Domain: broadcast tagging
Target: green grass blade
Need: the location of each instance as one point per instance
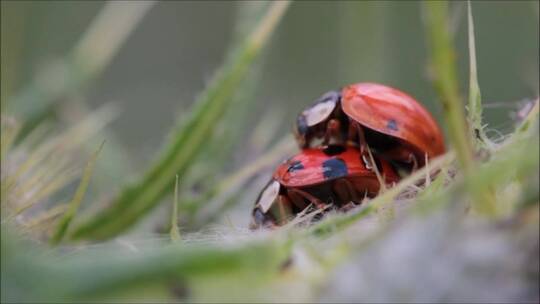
(475, 98)
(234, 126)
(97, 273)
(185, 142)
(445, 78)
(77, 199)
(175, 233)
(446, 83)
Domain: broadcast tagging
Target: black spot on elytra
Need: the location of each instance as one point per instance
(392, 125)
(295, 166)
(333, 150)
(334, 168)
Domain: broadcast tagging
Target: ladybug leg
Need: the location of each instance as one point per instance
(356, 129)
(351, 131)
(297, 196)
(347, 207)
(367, 156)
(297, 200)
(261, 220)
(332, 131)
(412, 159)
(345, 191)
(284, 209)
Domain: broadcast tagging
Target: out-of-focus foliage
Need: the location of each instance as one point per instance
(420, 241)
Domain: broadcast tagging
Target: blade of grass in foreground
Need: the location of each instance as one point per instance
(445, 79)
(93, 274)
(185, 142)
(446, 83)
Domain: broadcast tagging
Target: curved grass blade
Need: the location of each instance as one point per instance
(185, 141)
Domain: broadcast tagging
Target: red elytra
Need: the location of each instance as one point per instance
(387, 120)
(315, 166)
(319, 177)
(392, 112)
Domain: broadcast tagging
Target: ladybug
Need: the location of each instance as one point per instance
(318, 177)
(390, 122)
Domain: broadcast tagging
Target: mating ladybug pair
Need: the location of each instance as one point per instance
(336, 134)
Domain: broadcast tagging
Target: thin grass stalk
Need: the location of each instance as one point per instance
(63, 142)
(175, 233)
(77, 199)
(475, 97)
(46, 216)
(46, 190)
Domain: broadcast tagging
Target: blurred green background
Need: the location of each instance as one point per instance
(319, 46)
(176, 47)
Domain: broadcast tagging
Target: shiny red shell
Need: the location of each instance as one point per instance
(392, 112)
(315, 166)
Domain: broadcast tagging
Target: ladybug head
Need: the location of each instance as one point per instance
(314, 120)
(262, 213)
